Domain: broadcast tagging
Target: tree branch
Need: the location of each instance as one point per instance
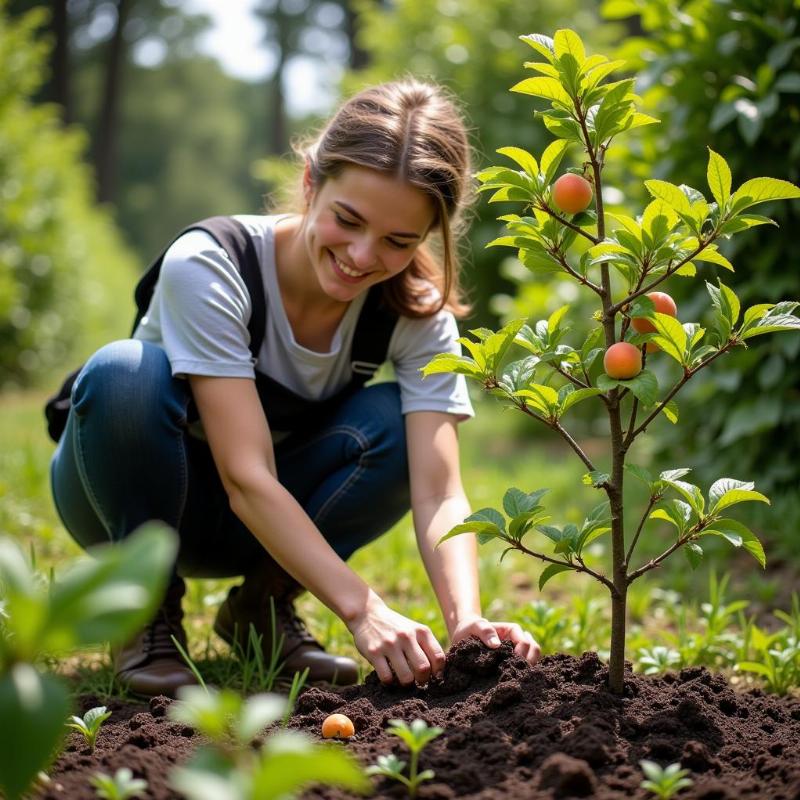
(688, 373)
(655, 562)
(542, 206)
(580, 567)
(653, 501)
(578, 277)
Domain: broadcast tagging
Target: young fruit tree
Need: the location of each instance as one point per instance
(622, 260)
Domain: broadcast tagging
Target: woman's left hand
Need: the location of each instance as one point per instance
(492, 633)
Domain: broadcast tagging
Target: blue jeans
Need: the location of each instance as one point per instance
(126, 457)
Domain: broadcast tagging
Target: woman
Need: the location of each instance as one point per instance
(173, 423)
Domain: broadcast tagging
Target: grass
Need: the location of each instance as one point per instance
(499, 449)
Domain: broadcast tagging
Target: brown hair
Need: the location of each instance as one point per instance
(415, 132)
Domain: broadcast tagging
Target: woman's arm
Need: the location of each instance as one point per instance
(438, 503)
(240, 441)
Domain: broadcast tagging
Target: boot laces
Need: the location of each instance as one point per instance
(287, 618)
(159, 633)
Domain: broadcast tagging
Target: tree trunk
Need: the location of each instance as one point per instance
(108, 126)
(59, 59)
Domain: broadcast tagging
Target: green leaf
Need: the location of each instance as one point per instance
(596, 478)
(551, 158)
(521, 157)
(670, 194)
(725, 301)
(760, 190)
(643, 386)
(542, 398)
(670, 411)
(719, 177)
(639, 472)
(676, 512)
(550, 571)
(567, 41)
(713, 256)
(448, 362)
(111, 595)
(670, 336)
(694, 554)
(755, 666)
(573, 398)
(542, 44)
(32, 712)
(733, 496)
(779, 317)
(690, 492)
(516, 502)
(738, 535)
(548, 88)
(291, 760)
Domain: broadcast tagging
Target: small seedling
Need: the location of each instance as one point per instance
(664, 782)
(90, 725)
(416, 737)
(121, 787)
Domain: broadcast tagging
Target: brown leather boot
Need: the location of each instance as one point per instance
(150, 664)
(249, 604)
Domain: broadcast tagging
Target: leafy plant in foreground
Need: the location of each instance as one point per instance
(677, 230)
(416, 736)
(102, 598)
(232, 768)
(664, 782)
(120, 787)
(90, 724)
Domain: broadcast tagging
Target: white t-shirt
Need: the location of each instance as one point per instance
(200, 310)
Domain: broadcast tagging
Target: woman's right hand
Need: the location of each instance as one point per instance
(396, 645)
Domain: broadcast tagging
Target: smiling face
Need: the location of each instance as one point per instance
(363, 227)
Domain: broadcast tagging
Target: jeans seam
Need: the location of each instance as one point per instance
(87, 484)
(356, 474)
(362, 440)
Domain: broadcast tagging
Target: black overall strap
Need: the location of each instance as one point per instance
(374, 329)
(233, 237)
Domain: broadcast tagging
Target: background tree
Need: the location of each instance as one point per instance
(63, 266)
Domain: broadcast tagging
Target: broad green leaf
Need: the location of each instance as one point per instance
(734, 532)
(778, 318)
(550, 571)
(551, 158)
(555, 318)
(644, 386)
(107, 597)
(639, 472)
(760, 190)
(691, 493)
(670, 411)
(33, 708)
(694, 554)
(447, 362)
(755, 666)
(674, 474)
(733, 496)
(675, 512)
(541, 397)
(542, 44)
(670, 194)
(521, 523)
(521, 157)
(515, 501)
(670, 336)
(548, 88)
(484, 531)
(290, 761)
(567, 41)
(545, 69)
(576, 397)
(713, 256)
(719, 177)
(725, 301)
(721, 486)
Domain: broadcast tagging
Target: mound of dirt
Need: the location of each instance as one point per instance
(511, 731)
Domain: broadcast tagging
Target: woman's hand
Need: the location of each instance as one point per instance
(491, 634)
(395, 644)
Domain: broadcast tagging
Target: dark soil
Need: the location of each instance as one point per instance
(511, 731)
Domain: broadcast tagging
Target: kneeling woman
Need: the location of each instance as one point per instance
(274, 461)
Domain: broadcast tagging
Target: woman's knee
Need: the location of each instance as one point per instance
(130, 380)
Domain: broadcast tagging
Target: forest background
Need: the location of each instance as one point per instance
(116, 132)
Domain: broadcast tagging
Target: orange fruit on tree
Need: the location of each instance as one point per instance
(572, 193)
(338, 726)
(664, 305)
(622, 360)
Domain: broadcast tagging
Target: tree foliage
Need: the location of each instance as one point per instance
(729, 74)
(63, 266)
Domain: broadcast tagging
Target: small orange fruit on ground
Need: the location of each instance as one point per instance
(622, 360)
(338, 726)
(664, 305)
(572, 193)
